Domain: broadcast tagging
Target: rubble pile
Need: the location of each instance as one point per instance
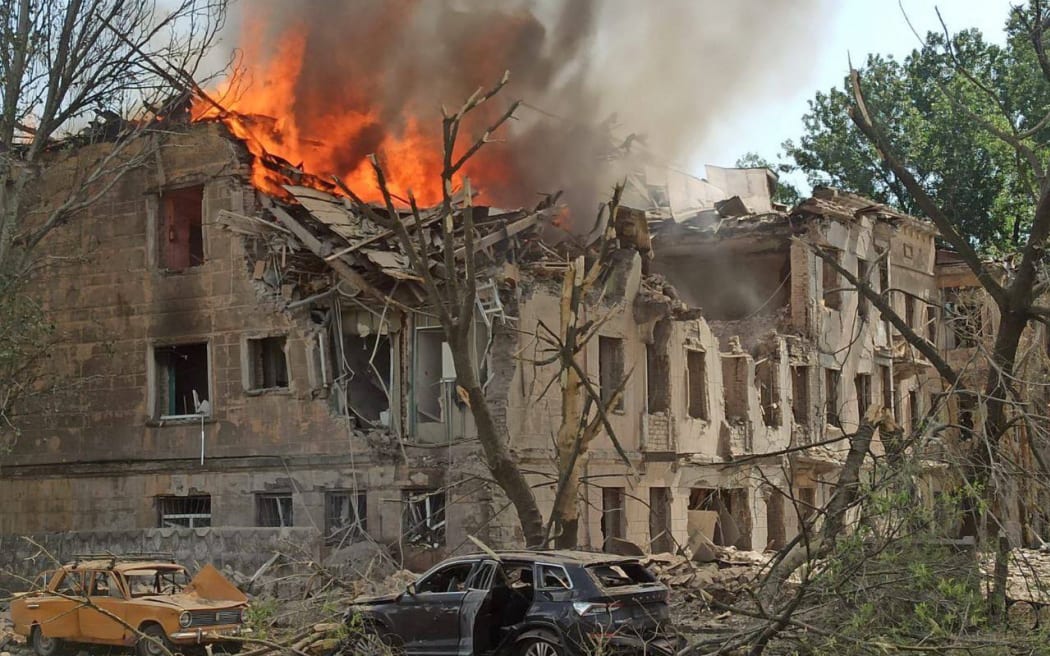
(722, 579)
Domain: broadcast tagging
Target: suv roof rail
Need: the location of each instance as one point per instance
(124, 557)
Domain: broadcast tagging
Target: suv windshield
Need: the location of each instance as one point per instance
(621, 575)
(144, 582)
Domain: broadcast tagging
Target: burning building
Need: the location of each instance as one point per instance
(248, 354)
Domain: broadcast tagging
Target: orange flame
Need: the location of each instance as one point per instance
(261, 105)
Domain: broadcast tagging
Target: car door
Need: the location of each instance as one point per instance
(55, 611)
(101, 619)
(427, 615)
(478, 628)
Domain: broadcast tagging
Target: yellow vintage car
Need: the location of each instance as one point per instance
(143, 600)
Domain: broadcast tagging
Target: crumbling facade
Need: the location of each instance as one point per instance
(235, 359)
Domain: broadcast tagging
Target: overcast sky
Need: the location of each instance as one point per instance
(854, 28)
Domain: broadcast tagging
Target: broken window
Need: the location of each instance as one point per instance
(369, 369)
(660, 538)
(433, 361)
(931, 323)
(658, 369)
(273, 509)
(181, 235)
(807, 502)
(610, 369)
(187, 512)
(886, 381)
(423, 517)
(909, 311)
(800, 394)
(862, 386)
(734, 387)
(614, 515)
(830, 278)
(267, 365)
(831, 396)
(863, 304)
(768, 391)
(913, 409)
(182, 379)
(962, 315)
(728, 519)
(696, 379)
(345, 517)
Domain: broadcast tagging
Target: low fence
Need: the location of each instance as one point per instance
(242, 549)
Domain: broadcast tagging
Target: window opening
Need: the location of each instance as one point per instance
(187, 512)
(368, 383)
(423, 520)
(660, 538)
(768, 391)
(696, 364)
(274, 510)
(862, 385)
(830, 277)
(831, 394)
(345, 517)
(886, 382)
(610, 369)
(800, 394)
(433, 361)
(729, 516)
(268, 365)
(181, 235)
(182, 380)
(614, 517)
(863, 304)
(658, 369)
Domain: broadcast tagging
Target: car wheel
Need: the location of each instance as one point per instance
(154, 642)
(45, 646)
(540, 646)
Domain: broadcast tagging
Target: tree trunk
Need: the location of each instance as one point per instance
(494, 445)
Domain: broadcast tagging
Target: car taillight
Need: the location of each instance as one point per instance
(584, 608)
(184, 619)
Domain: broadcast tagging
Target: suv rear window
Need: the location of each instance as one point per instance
(621, 575)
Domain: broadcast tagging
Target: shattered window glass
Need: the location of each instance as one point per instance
(274, 509)
(345, 517)
(424, 517)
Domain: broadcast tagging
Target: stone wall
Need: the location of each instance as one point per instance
(242, 549)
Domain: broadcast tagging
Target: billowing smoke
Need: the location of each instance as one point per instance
(599, 77)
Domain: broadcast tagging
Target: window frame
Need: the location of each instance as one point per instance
(161, 514)
(260, 497)
(254, 347)
(158, 373)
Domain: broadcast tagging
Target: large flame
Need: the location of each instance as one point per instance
(267, 105)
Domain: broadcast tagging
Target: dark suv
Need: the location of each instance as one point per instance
(530, 603)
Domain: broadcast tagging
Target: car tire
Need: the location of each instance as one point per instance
(44, 646)
(540, 646)
(154, 642)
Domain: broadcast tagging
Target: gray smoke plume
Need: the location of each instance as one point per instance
(599, 77)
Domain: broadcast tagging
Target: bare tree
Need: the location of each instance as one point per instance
(75, 72)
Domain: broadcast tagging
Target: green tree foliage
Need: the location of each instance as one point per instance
(937, 107)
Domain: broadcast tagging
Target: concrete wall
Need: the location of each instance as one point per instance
(242, 549)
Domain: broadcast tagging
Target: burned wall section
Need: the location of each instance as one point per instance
(189, 371)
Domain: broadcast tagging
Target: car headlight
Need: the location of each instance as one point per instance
(184, 619)
(244, 615)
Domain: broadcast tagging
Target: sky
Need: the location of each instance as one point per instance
(851, 28)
